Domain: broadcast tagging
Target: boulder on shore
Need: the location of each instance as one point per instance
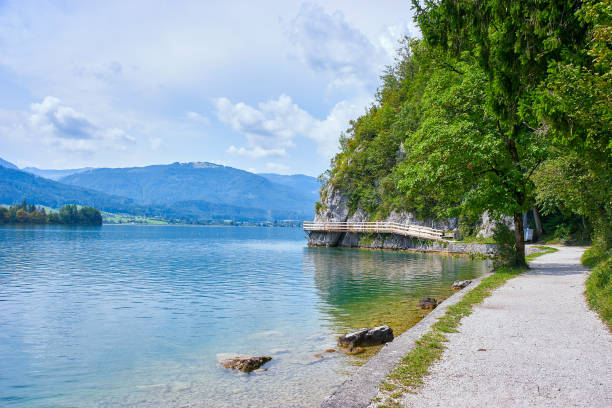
(427, 303)
(461, 284)
(245, 364)
(366, 337)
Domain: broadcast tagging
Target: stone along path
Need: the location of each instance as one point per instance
(533, 343)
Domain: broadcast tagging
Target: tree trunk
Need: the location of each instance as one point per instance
(519, 234)
(538, 222)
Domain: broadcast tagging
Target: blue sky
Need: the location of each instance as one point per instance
(266, 86)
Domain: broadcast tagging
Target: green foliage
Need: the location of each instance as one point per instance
(506, 242)
(599, 282)
(371, 148)
(68, 215)
(569, 184)
(502, 105)
(574, 105)
(16, 185)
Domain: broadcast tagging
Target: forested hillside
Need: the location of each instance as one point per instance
(498, 111)
(8, 165)
(16, 186)
(169, 184)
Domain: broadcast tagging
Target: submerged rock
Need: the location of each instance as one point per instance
(428, 303)
(330, 350)
(367, 337)
(245, 364)
(461, 284)
(353, 350)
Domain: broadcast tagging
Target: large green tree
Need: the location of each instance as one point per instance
(513, 42)
(575, 106)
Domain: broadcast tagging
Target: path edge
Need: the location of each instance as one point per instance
(360, 388)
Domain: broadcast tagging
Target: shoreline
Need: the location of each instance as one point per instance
(360, 388)
(413, 251)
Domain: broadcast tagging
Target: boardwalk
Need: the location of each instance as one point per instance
(409, 230)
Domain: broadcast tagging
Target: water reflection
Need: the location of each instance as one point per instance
(137, 316)
(360, 288)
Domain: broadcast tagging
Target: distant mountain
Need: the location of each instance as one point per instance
(6, 164)
(170, 184)
(17, 185)
(54, 174)
(306, 185)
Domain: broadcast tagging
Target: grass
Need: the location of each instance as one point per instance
(543, 251)
(599, 283)
(477, 240)
(408, 375)
(112, 218)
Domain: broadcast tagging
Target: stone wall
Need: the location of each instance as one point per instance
(396, 242)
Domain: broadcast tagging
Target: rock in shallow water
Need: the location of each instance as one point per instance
(427, 303)
(461, 284)
(353, 350)
(367, 337)
(245, 364)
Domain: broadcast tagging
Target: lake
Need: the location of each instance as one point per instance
(141, 315)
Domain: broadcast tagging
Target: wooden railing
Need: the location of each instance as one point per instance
(410, 230)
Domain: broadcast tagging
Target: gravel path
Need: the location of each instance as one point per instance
(533, 343)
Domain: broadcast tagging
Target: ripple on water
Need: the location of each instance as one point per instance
(137, 315)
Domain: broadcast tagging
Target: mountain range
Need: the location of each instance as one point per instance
(191, 192)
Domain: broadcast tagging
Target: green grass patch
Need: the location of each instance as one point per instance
(543, 251)
(599, 283)
(477, 240)
(408, 375)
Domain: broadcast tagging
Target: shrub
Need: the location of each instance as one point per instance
(504, 237)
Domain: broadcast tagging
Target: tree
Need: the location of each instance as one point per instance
(21, 216)
(574, 105)
(4, 216)
(513, 42)
(69, 214)
(458, 156)
(90, 216)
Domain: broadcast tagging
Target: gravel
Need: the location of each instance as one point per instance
(533, 343)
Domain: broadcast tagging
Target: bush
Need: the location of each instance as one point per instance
(504, 237)
(599, 282)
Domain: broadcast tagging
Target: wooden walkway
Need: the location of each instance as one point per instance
(408, 230)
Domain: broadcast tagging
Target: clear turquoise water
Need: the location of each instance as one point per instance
(141, 315)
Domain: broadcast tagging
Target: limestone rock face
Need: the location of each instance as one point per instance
(335, 209)
(366, 337)
(428, 303)
(461, 284)
(488, 224)
(245, 364)
(335, 206)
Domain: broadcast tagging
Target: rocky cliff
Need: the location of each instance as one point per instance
(335, 208)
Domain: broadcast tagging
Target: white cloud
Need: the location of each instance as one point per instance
(271, 127)
(256, 152)
(155, 142)
(277, 167)
(390, 38)
(326, 42)
(70, 130)
(196, 117)
(153, 72)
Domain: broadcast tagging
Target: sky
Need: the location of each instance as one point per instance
(264, 86)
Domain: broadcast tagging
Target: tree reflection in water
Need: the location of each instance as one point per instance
(364, 288)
